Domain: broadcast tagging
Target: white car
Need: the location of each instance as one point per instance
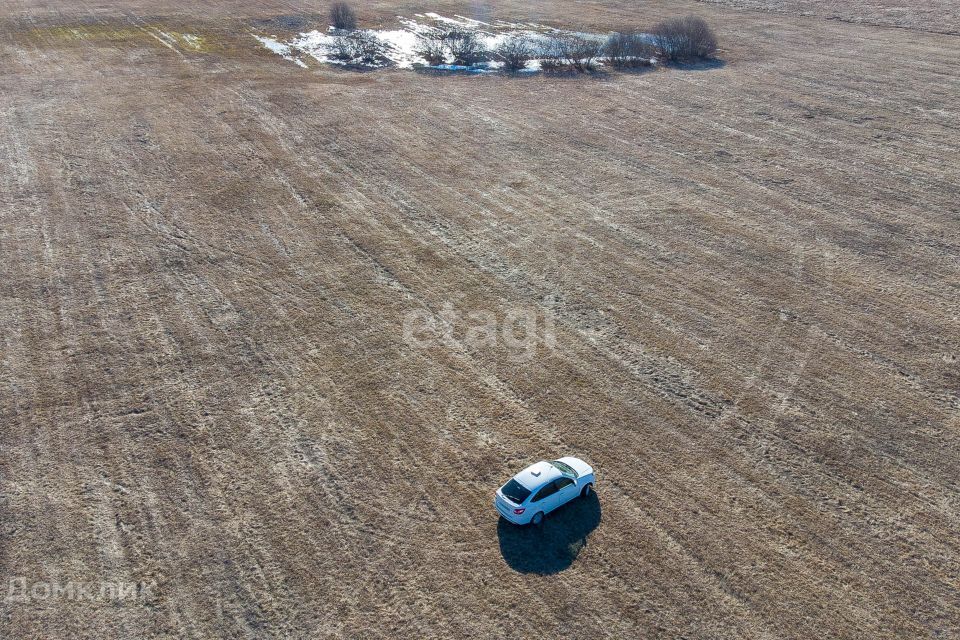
(543, 487)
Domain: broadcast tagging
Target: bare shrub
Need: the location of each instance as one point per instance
(616, 48)
(584, 52)
(431, 45)
(340, 48)
(684, 39)
(342, 16)
(575, 52)
(465, 46)
(358, 47)
(551, 65)
(551, 53)
(628, 50)
(515, 52)
(462, 46)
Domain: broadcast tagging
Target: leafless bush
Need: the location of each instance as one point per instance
(584, 52)
(431, 45)
(572, 51)
(551, 56)
(342, 16)
(628, 50)
(551, 65)
(515, 52)
(682, 39)
(465, 46)
(358, 47)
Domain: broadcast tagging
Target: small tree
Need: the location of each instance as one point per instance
(432, 47)
(342, 17)
(464, 46)
(628, 50)
(515, 52)
(683, 39)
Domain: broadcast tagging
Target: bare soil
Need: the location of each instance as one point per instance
(207, 254)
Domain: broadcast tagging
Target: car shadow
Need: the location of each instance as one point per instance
(555, 544)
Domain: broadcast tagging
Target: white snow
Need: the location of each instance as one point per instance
(472, 22)
(439, 18)
(274, 45)
(401, 47)
(281, 49)
(163, 38)
(193, 41)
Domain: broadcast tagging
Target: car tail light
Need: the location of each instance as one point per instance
(517, 512)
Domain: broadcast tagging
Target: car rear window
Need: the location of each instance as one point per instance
(515, 491)
(564, 468)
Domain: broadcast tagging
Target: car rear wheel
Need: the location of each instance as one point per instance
(537, 518)
(586, 491)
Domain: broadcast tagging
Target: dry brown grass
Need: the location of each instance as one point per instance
(940, 16)
(206, 256)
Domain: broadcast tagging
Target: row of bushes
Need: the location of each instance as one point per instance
(677, 40)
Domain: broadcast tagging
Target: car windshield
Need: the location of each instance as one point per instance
(515, 491)
(564, 468)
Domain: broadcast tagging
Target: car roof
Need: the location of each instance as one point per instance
(536, 475)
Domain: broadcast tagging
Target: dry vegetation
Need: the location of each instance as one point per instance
(206, 256)
(938, 16)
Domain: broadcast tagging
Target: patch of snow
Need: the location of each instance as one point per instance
(163, 38)
(191, 40)
(521, 26)
(274, 45)
(472, 21)
(315, 44)
(439, 18)
(281, 49)
(401, 44)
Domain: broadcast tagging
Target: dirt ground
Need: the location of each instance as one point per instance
(745, 278)
(941, 16)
